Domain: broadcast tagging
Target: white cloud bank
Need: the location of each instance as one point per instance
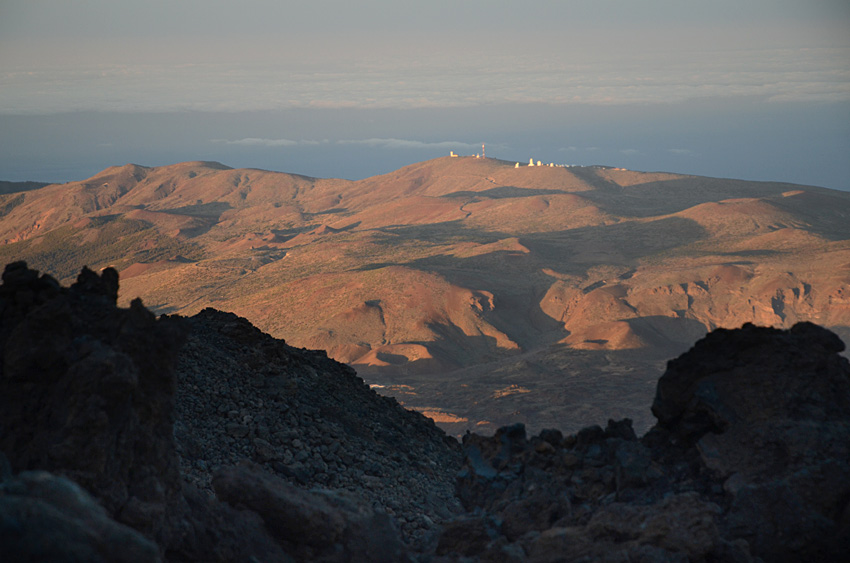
(390, 143)
(809, 75)
(255, 142)
(260, 142)
(408, 144)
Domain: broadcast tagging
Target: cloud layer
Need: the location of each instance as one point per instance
(810, 75)
(408, 144)
(380, 143)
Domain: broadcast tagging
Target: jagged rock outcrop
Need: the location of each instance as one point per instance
(749, 461)
(768, 411)
(87, 391)
(96, 394)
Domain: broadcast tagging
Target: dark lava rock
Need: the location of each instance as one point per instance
(753, 375)
(96, 394)
(315, 525)
(87, 392)
(44, 517)
(245, 396)
(750, 460)
(768, 411)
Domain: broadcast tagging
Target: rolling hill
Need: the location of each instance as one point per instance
(469, 289)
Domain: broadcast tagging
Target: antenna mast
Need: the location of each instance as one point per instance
(482, 151)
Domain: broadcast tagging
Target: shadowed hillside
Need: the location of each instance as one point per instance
(471, 290)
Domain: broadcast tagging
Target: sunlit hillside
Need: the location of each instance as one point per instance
(469, 288)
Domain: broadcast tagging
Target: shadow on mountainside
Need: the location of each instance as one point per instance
(520, 284)
(558, 250)
(212, 210)
(441, 233)
(517, 313)
(19, 187)
(671, 196)
(823, 211)
(547, 387)
(503, 192)
(626, 242)
(542, 386)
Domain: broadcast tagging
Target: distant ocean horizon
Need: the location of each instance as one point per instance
(743, 138)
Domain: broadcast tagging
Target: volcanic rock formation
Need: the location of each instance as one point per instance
(748, 461)
(126, 437)
(96, 394)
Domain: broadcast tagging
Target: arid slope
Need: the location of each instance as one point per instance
(472, 290)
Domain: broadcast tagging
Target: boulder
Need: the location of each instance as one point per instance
(45, 517)
(767, 413)
(314, 525)
(752, 375)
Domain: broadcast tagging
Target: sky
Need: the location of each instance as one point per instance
(750, 89)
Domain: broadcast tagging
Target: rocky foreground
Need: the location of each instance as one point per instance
(127, 437)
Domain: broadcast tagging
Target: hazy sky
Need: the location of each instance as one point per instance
(756, 89)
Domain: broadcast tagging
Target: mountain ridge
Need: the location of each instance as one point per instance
(421, 276)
